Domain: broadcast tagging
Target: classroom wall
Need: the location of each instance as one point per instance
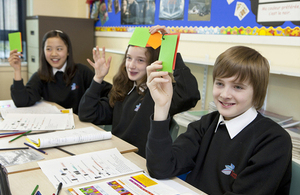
(283, 92)
(61, 8)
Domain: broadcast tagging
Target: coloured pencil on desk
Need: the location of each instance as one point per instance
(20, 136)
(9, 133)
(19, 148)
(12, 134)
(42, 151)
(65, 151)
(35, 189)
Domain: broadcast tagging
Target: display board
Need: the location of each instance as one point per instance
(238, 17)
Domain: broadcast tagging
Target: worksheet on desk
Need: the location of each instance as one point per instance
(41, 116)
(26, 122)
(87, 167)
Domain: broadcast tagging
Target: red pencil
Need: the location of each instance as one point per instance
(11, 134)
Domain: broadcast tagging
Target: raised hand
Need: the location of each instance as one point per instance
(100, 64)
(158, 28)
(161, 89)
(15, 62)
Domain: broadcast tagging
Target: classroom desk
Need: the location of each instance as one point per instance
(114, 142)
(53, 153)
(25, 182)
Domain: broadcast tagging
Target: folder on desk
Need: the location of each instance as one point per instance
(67, 137)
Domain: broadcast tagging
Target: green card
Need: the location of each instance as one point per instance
(139, 37)
(167, 52)
(15, 41)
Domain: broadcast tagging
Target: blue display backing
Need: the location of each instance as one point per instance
(222, 14)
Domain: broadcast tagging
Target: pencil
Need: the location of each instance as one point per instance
(65, 151)
(21, 148)
(35, 189)
(12, 134)
(36, 148)
(20, 136)
(8, 133)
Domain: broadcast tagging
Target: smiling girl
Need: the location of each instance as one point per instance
(129, 105)
(58, 78)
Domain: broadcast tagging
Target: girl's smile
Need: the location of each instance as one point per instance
(136, 63)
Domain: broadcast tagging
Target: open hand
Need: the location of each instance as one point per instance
(100, 64)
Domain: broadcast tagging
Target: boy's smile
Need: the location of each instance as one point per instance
(232, 98)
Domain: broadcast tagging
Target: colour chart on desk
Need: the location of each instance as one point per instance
(138, 184)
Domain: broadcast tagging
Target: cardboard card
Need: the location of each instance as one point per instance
(15, 41)
(175, 54)
(139, 37)
(168, 52)
(155, 40)
(242, 11)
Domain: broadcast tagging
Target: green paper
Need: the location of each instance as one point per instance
(15, 41)
(167, 52)
(139, 37)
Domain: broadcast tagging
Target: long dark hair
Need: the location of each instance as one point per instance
(122, 84)
(45, 69)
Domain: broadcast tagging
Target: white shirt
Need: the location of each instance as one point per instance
(62, 69)
(237, 124)
(142, 88)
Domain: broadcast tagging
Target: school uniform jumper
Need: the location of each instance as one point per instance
(58, 92)
(256, 161)
(130, 118)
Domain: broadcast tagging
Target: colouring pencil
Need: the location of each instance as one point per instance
(36, 149)
(20, 148)
(12, 134)
(35, 189)
(65, 151)
(20, 136)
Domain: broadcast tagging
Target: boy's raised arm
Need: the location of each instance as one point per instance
(161, 89)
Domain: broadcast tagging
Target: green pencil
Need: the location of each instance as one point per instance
(35, 189)
(20, 136)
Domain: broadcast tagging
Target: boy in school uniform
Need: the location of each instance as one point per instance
(234, 150)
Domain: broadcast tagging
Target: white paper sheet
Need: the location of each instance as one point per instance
(26, 122)
(87, 167)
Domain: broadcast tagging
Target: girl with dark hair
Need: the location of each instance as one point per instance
(59, 79)
(129, 104)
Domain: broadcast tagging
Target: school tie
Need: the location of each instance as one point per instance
(59, 76)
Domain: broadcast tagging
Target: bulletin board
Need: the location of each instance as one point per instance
(230, 17)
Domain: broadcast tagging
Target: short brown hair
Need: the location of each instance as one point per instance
(247, 65)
